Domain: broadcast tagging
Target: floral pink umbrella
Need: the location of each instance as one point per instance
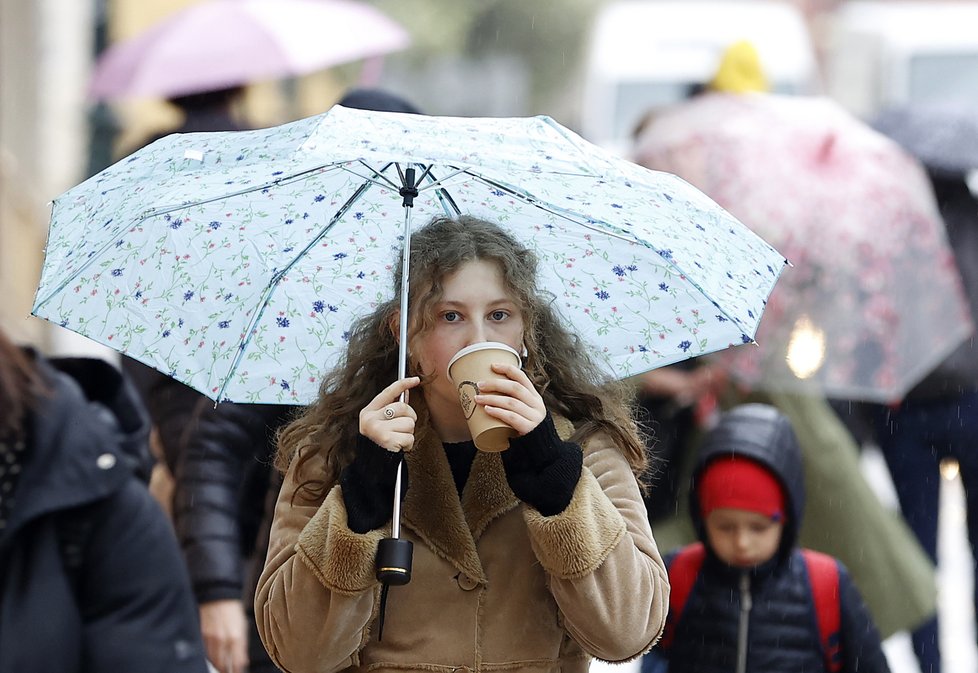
(874, 300)
(224, 43)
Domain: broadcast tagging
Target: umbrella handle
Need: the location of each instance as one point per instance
(394, 557)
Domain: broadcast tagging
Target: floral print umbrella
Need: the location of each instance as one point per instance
(874, 301)
(236, 262)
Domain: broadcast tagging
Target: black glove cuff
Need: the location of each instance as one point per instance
(543, 470)
(368, 486)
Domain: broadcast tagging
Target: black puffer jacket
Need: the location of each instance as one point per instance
(782, 630)
(126, 605)
(224, 475)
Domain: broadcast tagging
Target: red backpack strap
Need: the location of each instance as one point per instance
(683, 571)
(823, 574)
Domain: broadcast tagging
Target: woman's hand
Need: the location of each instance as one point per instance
(513, 400)
(388, 422)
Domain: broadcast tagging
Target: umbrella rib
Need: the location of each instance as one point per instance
(163, 210)
(277, 276)
(442, 193)
(377, 174)
(607, 230)
(439, 182)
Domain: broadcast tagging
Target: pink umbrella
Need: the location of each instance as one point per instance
(874, 300)
(224, 43)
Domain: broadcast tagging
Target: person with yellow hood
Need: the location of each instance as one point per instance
(740, 70)
(845, 518)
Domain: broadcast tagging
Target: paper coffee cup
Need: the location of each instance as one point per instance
(466, 368)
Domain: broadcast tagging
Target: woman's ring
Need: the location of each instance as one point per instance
(389, 413)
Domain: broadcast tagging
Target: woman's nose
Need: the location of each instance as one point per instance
(477, 334)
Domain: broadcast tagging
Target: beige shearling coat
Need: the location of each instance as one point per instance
(495, 585)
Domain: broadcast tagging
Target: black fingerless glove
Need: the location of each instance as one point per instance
(368, 486)
(543, 470)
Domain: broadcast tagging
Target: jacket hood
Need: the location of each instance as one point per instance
(88, 435)
(105, 386)
(762, 433)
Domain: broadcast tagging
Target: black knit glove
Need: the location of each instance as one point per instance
(542, 470)
(368, 486)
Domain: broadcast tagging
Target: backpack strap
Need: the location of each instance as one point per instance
(683, 571)
(823, 575)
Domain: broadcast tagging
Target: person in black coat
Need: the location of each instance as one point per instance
(222, 507)
(91, 578)
(937, 419)
(751, 606)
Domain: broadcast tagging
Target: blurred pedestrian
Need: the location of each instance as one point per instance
(91, 578)
(225, 487)
(536, 558)
(938, 418)
(746, 597)
(845, 518)
(677, 403)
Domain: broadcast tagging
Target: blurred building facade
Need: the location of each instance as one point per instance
(45, 48)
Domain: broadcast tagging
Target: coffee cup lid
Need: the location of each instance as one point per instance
(482, 345)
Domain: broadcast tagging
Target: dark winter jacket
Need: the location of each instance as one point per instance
(959, 209)
(224, 475)
(782, 629)
(90, 572)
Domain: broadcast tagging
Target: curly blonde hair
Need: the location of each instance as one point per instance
(557, 361)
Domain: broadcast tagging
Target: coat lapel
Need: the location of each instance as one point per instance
(433, 511)
(486, 494)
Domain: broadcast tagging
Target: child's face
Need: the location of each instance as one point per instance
(743, 539)
(474, 307)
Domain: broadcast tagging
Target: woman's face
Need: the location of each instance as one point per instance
(474, 307)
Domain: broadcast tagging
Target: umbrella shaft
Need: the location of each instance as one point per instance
(402, 351)
(396, 517)
(405, 281)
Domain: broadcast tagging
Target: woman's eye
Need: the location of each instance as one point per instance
(499, 315)
(450, 316)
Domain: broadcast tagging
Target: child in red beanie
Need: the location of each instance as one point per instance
(746, 597)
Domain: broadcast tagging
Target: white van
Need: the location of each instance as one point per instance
(885, 53)
(647, 53)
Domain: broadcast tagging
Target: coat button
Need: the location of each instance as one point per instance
(466, 583)
(106, 461)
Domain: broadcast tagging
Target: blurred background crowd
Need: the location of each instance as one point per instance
(667, 84)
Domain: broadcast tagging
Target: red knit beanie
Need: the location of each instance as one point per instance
(740, 483)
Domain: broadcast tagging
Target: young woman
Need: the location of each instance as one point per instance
(537, 558)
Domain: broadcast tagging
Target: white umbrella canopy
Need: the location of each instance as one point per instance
(236, 262)
(220, 44)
